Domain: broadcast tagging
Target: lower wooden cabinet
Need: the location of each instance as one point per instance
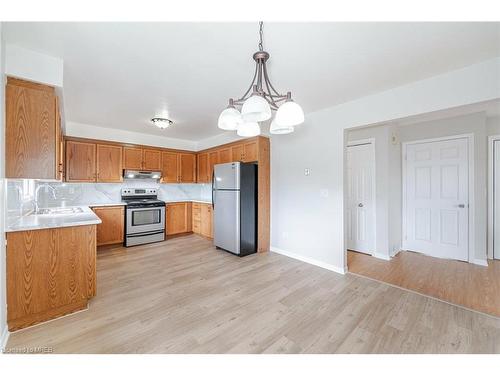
(178, 218)
(202, 219)
(111, 230)
(50, 273)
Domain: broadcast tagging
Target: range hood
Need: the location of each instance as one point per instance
(133, 174)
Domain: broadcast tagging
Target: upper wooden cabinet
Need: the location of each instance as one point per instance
(80, 161)
(187, 168)
(250, 152)
(151, 159)
(225, 155)
(32, 131)
(132, 158)
(109, 163)
(202, 168)
(169, 167)
(178, 167)
(91, 162)
(237, 152)
(213, 158)
(141, 158)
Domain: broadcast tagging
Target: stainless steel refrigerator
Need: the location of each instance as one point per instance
(234, 200)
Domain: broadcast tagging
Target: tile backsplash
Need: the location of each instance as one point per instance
(21, 193)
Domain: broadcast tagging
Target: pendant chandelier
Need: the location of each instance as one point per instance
(258, 102)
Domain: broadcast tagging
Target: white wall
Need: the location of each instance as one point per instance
(309, 225)
(97, 132)
(33, 66)
(3, 281)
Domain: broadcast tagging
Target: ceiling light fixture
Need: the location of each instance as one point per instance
(258, 102)
(161, 122)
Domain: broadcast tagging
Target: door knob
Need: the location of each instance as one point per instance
(461, 205)
(360, 205)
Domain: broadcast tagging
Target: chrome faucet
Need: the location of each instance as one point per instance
(52, 189)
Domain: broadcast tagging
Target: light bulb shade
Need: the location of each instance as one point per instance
(289, 114)
(280, 129)
(229, 119)
(248, 129)
(256, 109)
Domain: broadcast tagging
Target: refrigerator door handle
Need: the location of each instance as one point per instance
(213, 186)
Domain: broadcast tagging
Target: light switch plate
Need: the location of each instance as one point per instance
(324, 193)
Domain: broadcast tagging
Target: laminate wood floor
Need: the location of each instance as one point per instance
(475, 287)
(184, 296)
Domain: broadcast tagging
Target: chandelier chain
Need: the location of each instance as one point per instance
(261, 47)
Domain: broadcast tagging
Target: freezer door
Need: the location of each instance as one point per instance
(227, 176)
(227, 220)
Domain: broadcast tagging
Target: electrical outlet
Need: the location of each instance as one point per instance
(324, 193)
(284, 235)
(307, 172)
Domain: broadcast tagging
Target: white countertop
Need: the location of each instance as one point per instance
(108, 204)
(35, 222)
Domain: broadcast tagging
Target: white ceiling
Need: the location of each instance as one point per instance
(119, 75)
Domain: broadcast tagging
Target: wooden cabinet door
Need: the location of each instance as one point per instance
(237, 153)
(178, 219)
(109, 163)
(132, 158)
(187, 167)
(213, 158)
(111, 230)
(49, 270)
(202, 168)
(196, 216)
(30, 130)
(151, 160)
(225, 155)
(250, 152)
(206, 220)
(80, 161)
(169, 167)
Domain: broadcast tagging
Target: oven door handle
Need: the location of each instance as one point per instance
(161, 208)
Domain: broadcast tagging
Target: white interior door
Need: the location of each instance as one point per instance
(496, 199)
(361, 198)
(437, 197)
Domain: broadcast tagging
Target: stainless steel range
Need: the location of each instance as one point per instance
(145, 216)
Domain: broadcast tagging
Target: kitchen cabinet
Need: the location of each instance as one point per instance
(237, 152)
(32, 131)
(151, 160)
(202, 168)
(50, 273)
(169, 167)
(80, 161)
(132, 158)
(250, 152)
(202, 219)
(138, 158)
(225, 155)
(178, 218)
(109, 163)
(111, 230)
(187, 167)
(213, 158)
(178, 167)
(206, 220)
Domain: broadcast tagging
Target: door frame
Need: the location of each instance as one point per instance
(491, 194)
(470, 156)
(361, 142)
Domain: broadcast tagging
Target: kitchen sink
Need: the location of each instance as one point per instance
(59, 211)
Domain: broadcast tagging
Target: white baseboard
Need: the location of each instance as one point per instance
(381, 256)
(312, 261)
(480, 262)
(4, 338)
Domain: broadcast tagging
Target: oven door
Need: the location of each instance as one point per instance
(146, 219)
